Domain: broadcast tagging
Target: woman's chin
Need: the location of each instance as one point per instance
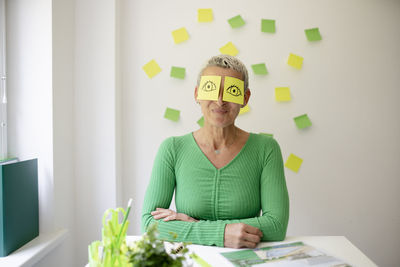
(221, 123)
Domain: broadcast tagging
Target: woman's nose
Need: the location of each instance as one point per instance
(221, 95)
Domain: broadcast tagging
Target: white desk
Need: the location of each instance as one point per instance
(337, 246)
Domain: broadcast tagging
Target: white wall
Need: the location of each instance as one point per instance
(348, 85)
(63, 27)
(30, 117)
(40, 54)
(95, 119)
(62, 111)
(84, 108)
(105, 120)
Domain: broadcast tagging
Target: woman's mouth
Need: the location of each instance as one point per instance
(220, 110)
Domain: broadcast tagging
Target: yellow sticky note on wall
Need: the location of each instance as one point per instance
(180, 35)
(244, 110)
(229, 49)
(204, 15)
(209, 88)
(282, 94)
(295, 61)
(151, 68)
(293, 163)
(233, 90)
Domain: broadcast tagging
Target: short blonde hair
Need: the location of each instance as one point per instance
(227, 62)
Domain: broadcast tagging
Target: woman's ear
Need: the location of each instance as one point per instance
(247, 95)
(195, 93)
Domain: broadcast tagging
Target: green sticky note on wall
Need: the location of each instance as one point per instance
(259, 69)
(302, 121)
(313, 34)
(178, 72)
(172, 114)
(267, 134)
(200, 122)
(268, 25)
(236, 21)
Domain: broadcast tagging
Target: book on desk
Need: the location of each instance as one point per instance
(19, 205)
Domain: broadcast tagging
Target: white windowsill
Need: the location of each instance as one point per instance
(34, 250)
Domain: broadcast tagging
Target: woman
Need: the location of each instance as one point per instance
(223, 175)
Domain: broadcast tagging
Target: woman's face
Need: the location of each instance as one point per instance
(220, 113)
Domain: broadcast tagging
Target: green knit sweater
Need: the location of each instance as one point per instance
(253, 181)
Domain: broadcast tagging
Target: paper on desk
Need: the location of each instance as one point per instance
(287, 254)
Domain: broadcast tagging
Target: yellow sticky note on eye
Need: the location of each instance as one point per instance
(244, 110)
(233, 90)
(151, 68)
(295, 61)
(293, 163)
(209, 88)
(229, 49)
(180, 35)
(204, 15)
(282, 94)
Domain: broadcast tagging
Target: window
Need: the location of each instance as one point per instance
(3, 96)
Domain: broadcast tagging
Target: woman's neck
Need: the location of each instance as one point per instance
(218, 137)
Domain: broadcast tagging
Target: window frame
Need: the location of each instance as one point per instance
(3, 83)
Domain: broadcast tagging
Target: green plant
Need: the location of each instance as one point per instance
(113, 250)
(150, 251)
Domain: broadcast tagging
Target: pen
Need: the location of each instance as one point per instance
(125, 218)
(118, 245)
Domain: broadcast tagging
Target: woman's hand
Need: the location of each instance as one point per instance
(170, 215)
(239, 235)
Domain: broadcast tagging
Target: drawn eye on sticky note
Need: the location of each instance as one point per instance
(233, 90)
(209, 88)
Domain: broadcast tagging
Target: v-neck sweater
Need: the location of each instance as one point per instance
(253, 182)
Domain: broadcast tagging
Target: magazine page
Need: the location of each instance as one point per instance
(292, 254)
